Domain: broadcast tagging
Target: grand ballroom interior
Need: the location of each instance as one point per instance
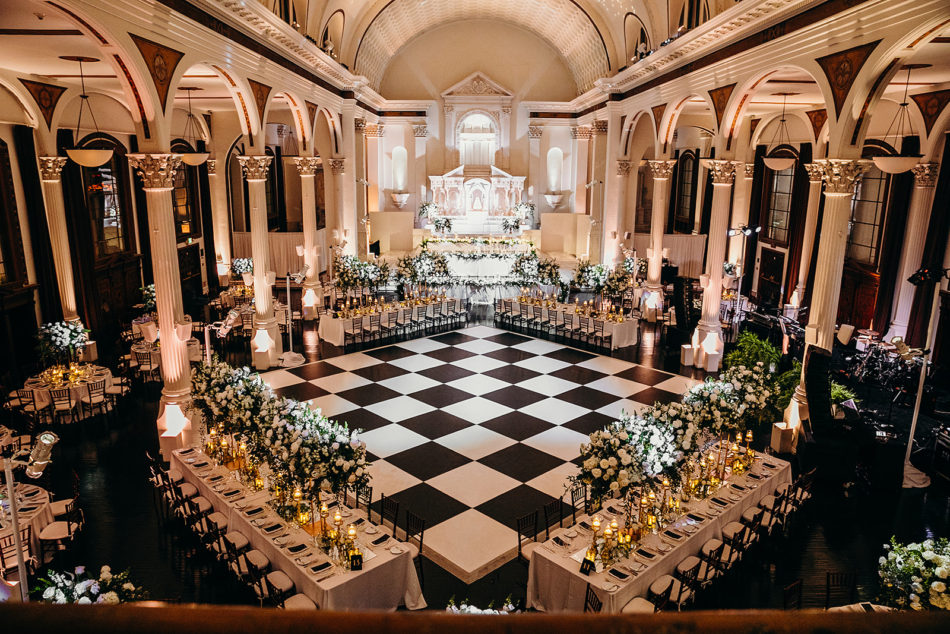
(432, 314)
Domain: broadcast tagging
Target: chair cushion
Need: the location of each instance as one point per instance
(687, 564)
(218, 519)
(58, 530)
(710, 546)
(662, 582)
(280, 580)
(299, 602)
(175, 475)
(257, 559)
(639, 605)
(59, 507)
(203, 504)
(238, 540)
(731, 529)
(413, 549)
(187, 490)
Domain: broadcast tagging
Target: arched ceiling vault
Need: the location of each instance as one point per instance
(562, 23)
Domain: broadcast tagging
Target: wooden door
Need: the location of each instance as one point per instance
(771, 268)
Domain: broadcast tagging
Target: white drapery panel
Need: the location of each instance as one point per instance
(686, 250)
(283, 250)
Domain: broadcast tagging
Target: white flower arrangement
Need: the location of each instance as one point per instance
(728, 403)
(442, 224)
(609, 463)
(524, 211)
(510, 224)
(81, 588)
(351, 272)
(242, 265)
(62, 337)
(427, 209)
(590, 275)
(465, 607)
(915, 575)
(148, 297)
(296, 442)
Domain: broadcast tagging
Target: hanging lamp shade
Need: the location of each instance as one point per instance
(87, 157)
(774, 158)
(900, 162)
(191, 134)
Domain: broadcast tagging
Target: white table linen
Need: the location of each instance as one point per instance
(331, 328)
(33, 510)
(622, 334)
(387, 580)
(194, 351)
(41, 389)
(555, 583)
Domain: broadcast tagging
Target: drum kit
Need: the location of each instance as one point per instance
(890, 365)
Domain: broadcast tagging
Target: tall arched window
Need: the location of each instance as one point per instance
(103, 188)
(634, 34)
(778, 198)
(555, 163)
(400, 168)
(684, 217)
(185, 197)
(868, 208)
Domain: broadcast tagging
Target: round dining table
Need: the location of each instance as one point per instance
(78, 388)
(155, 352)
(33, 510)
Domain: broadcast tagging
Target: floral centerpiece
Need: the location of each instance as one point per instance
(428, 209)
(465, 607)
(442, 224)
(608, 465)
(148, 297)
(915, 575)
(82, 588)
(351, 272)
(592, 276)
(61, 340)
(617, 282)
(526, 268)
(240, 266)
(510, 224)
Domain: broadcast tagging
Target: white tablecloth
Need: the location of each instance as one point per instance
(622, 334)
(194, 351)
(331, 328)
(555, 583)
(483, 268)
(387, 580)
(41, 389)
(283, 250)
(685, 250)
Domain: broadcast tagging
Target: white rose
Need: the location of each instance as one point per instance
(938, 586)
(84, 601)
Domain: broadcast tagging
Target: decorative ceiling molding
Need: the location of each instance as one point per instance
(560, 23)
(46, 97)
(312, 113)
(842, 67)
(931, 104)
(261, 92)
(161, 62)
(818, 119)
(720, 97)
(477, 85)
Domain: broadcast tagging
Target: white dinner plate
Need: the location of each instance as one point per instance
(371, 530)
(571, 533)
(396, 550)
(190, 460)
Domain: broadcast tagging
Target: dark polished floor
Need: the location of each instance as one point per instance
(841, 530)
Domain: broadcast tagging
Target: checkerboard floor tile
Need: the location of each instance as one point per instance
(472, 428)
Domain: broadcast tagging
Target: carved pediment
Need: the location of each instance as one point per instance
(477, 85)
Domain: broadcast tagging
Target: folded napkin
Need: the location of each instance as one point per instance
(585, 526)
(738, 487)
(618, 574)
(559, 541)
(185, 452)
(332, 504)
(254, 511)
(380, 540)
(231, 493)
(672, 535)
(273, 528)
(296, 548)
(359, 521)
(198, 465)
(695, 518)
(719, 502)
(646, 554)
(216, 478)
(754, 476)
(769, 465)
(320, 567)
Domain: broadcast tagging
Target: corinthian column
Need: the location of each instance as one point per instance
(811, 222)
(307, 166)
(340, 234)
(158, 176)
(709, 329)
(740, 211)
(918, 218)
(840, 177)
(266, 344)
(219, 219)
(50, 169)
(653, 298)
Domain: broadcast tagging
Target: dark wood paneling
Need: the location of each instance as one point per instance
(859, 287)
(771, 264)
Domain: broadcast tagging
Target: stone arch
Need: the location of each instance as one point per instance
(630, 127)
(671, 117)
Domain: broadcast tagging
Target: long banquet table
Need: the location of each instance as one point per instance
(555, 583)
(388, 578)
(331, 328)
(622, 334)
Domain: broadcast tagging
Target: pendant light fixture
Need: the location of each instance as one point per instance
(192, 133)
(87, 157)
(779, 139)
(897, 163)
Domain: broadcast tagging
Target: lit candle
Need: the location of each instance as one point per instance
(337, 518)
(613, 525)
(298, 494)
(596, 523)
(351, 532)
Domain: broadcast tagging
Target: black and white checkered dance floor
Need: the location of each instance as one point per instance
(474, 428)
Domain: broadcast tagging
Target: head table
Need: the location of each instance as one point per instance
(41, 387)
(331, 328)
(555, 583)
(388, 578)
(622, 334)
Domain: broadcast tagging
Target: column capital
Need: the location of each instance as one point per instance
(749, 170)
(580, 132)
(51, 167)
(337, 165)
(623, 167)
(448, 108)
(212, 167)
(661, 169)
(255, 167)
(307, 165)
(157, 170)
(599, 126)
(420, 131)
(506, 111)
(723, 172)
(841, 175)
(374, 130)
(815, 172)
(535, 131)
(359, 124)
(925, 174)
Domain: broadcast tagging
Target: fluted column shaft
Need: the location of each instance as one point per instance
(662, 171)
(723, 175)
(307, 166)
(219, 218)
(337, 167)
(158, 175)
(740, 210)
(50, 169)
(811, 223)
(918, 219)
